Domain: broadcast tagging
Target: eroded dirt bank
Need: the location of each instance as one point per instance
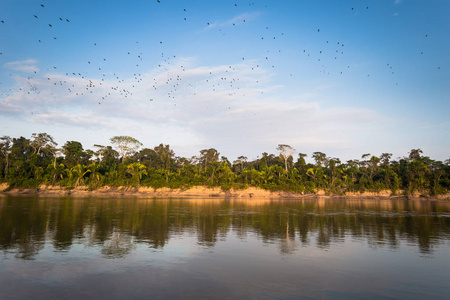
(198, 191)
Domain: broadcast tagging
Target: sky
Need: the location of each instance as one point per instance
(341, 77)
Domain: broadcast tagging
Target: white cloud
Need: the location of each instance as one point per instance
(57, 118)
(27, 66)
(233, 109)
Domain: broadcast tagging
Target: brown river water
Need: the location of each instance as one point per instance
(125, 248)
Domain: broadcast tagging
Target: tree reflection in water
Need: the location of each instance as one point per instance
(116, 226)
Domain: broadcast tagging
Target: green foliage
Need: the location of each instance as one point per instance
(27, 163)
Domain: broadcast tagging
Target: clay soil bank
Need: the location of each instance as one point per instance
(199, 191)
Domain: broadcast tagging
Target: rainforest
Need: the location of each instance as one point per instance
(29, 163)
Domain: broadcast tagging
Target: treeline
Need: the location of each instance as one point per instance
(27, 163)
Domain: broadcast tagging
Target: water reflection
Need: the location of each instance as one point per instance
(116, 226)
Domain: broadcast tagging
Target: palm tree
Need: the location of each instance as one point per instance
(137, 170)
(79, 172)
(95, 175)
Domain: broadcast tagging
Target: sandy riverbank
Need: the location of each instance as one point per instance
(199, 191)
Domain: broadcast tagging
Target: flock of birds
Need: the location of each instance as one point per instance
(172, 78)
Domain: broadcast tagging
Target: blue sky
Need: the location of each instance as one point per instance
(341, 77)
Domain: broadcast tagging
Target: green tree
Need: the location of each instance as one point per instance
(106, 154)
(74, 154)
(165, 156)
(286, 152)
(5, 149)
(320, 158)
(126, 145)
(95, 176)
(241, 160)
(414, 154)
(137, 170)
(301, 163)
(79, 171)
(386, 168)
(148, 157)
(208, 156)
(42, 141)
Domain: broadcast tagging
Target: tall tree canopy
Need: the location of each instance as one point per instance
(42, 141)
(286, 151)
(126, 145)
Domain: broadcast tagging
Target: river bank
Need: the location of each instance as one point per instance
(198, 191)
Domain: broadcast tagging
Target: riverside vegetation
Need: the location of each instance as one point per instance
(28, 163)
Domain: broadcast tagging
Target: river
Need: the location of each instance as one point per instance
(126, 248)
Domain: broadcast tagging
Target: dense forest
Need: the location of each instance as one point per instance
(27, 163)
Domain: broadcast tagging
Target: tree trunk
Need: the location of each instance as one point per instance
(7, 164)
